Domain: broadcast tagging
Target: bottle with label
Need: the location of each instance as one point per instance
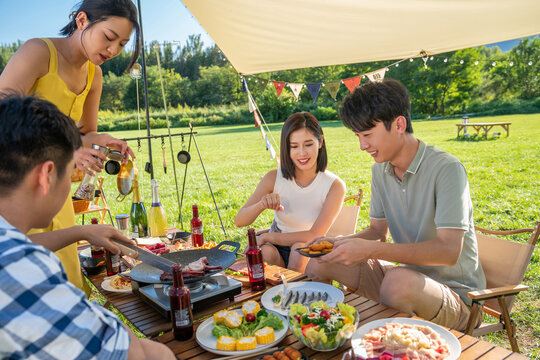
(138, 218)
(96, 251)
(87, 188)
(180, 301)
(112, 263)
(197, 236)
(157, 218)
(255, 263)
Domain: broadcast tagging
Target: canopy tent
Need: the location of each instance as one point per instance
(270, 35)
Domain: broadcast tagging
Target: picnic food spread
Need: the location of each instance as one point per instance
(237, 332)
(400, 341)
(321, 326)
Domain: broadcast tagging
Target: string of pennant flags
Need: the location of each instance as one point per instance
(314, 88)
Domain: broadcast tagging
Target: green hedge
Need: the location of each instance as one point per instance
(278, 112)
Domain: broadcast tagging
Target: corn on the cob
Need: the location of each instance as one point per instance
(226, 343)
(246, 343)
(265, 335)
(233, 319)
(219, 317)
(251, 307)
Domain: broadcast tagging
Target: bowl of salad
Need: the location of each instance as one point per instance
(322, 327)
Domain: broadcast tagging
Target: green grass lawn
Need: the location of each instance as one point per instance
(504, 177)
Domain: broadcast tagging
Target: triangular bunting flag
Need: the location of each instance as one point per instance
(352, 83)
(333, 87)
(251, 103)
(314, 90)
(279, 85)
(377, 75)
(244, 84)
(263, 83)
(296, 88)
(257, 120)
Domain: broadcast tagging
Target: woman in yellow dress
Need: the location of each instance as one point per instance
(66, 72)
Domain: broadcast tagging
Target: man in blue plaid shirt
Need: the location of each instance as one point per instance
(42, 315)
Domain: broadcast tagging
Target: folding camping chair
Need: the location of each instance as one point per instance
(345, 223)
(504, 263)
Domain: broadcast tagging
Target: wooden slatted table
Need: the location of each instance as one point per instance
(149, 322)
(484, 126)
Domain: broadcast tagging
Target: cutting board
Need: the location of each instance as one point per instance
(271, 272)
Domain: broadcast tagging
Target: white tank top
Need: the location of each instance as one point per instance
(301, 206)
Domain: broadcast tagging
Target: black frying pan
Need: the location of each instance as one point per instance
(216, 256)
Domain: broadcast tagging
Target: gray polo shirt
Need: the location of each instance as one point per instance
(433, 194)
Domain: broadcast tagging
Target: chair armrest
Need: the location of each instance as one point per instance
(496, 292)
(259, 232)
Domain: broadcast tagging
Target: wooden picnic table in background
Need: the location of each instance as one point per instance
(151, 324)
(485, 126)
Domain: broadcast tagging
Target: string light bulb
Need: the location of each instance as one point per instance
(461, 62)
(445, 60)
(476, 62)
(530, 63)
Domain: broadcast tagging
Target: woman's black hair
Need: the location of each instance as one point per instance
(295, 122)
(99, 10)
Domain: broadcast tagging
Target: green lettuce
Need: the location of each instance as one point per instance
(347, 310)
(319, 304)
(224, 330)
(297, 309)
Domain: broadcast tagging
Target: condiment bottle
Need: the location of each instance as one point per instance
(197, 235)
(96, 251)
(87, 188)
(255, 263)
(180, 301)
(112, 263)
(157, 218)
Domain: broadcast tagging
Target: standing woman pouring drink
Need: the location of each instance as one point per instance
(66, 72)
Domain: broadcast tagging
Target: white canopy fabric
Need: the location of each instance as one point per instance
(269, 35)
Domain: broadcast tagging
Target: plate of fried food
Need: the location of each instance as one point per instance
(316, 250)
(117, 283)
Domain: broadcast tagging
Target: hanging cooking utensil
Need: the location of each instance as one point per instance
(183, 156)
(164, 160)
(124, 179)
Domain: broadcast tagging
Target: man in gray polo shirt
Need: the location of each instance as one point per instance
(419, 193)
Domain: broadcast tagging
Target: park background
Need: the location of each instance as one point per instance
(203, 89)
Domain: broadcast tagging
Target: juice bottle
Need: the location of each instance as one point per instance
(197, 236)
(255, 263)
(180, 301)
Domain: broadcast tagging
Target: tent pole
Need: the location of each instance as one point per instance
(149, 169)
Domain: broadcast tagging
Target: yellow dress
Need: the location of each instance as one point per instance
(52, 88)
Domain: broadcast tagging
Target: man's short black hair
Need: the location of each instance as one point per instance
(33, 131)
(376, 102)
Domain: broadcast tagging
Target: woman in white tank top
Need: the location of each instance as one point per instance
(305, 196)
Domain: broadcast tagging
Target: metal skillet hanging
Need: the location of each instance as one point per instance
(183, 156)
(216, 256)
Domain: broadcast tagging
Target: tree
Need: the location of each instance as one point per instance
(114, 91)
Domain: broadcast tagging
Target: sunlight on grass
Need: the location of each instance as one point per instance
(504, 176)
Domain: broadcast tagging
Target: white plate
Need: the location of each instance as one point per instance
(335, 295)
(86, 252)
(453, 344)
(208, 341)
(106, 285)
(148, 241)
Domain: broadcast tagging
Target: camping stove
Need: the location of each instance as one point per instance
(204, 293)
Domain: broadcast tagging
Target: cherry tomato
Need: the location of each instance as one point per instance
(250, 317)
(325, 314)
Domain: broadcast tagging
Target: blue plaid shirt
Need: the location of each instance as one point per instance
(42, 315)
